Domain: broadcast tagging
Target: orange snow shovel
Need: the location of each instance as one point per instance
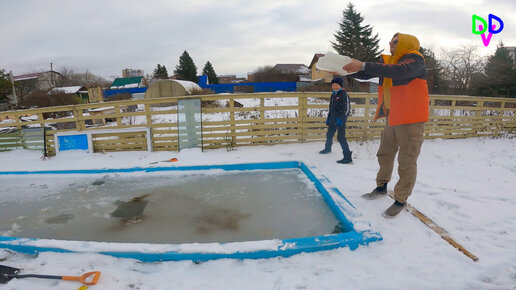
(168, 160)
(8, 273)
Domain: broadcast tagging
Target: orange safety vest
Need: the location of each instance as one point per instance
(409, 102)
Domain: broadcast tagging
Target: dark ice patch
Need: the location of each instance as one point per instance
(131, 209)
(60, 219)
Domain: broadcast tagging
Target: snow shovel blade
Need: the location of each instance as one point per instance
(168, 160)
(8, 273)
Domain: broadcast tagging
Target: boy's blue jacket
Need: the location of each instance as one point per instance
(339, 106)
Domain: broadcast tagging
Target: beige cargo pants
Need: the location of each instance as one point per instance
(407, 139)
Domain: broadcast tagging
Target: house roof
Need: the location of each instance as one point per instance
(26, 77)
(132, 82)
(67, 90)
(315, 59)
(292, 68)
(30, 76)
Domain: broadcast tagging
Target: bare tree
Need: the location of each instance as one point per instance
(269, 74)
(459, 66)
(86, 79)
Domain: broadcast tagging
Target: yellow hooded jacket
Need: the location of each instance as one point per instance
(403, 93)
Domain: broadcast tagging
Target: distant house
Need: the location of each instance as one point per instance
(351, 83)
(512, 54)
(298, 69)
(128, 73)
(230, 79)
(319, 74)
(127, 83)
(42, 81)
(133, 87)
(77, 92)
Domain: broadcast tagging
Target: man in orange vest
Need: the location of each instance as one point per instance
(403, 100)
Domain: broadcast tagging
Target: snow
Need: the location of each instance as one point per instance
(188, 85)
(127, 86)
(65, 90)
(466, 186)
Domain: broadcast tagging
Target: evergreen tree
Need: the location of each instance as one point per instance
(501, 75)
(434, 71)
(186, 70)
(160, 72)
(354, 39)
(6, 86)
(210, 72)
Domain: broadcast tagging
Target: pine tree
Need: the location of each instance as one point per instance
(501, 75)
(434, 70)
(160, 72)
(210, 72)
(6, 86)
(355, 40)
(186, 70)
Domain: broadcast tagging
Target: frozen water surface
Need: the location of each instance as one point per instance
(205, 206)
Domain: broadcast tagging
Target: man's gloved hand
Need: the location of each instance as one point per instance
(338, 122)
(328, 121)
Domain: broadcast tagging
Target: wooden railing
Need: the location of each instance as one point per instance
(257, 119)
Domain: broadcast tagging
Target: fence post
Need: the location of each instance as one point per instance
(79, 124)
(118, 119)
(452, 114)
(478, 116)
(18, 121)
(501, 126)
(302, 111)
(232, 120)
(262, 108)
(148, 114)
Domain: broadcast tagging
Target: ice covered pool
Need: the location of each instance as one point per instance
(173, 213)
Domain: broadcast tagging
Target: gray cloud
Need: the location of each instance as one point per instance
(235, 36)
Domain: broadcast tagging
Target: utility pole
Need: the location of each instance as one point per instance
(52, 76)
(14, 89)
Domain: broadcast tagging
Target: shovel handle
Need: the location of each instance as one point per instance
(95, 275)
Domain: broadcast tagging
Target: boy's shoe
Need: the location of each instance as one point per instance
(345, 161)
(378, 192)
(325, 151)
(394, 209)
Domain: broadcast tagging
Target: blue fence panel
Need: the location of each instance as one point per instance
(257, 87)
(110, 93)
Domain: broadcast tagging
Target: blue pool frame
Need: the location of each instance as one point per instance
(343, 210)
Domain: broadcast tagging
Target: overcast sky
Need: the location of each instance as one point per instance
(237, 37)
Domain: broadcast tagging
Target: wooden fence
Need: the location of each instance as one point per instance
(257, 119)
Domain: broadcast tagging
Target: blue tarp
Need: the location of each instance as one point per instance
(109, 93)
(257, 87)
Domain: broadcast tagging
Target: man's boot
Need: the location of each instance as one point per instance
(394, 209)
(378, 192)
(347, 158)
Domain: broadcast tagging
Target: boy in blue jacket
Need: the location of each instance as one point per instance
(337, 116)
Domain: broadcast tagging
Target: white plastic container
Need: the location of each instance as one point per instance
(333, 62)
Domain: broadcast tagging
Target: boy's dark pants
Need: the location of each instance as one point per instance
(341, 136)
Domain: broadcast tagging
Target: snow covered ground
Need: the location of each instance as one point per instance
(465, 186)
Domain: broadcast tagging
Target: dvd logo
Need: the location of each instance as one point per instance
(484, 26)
